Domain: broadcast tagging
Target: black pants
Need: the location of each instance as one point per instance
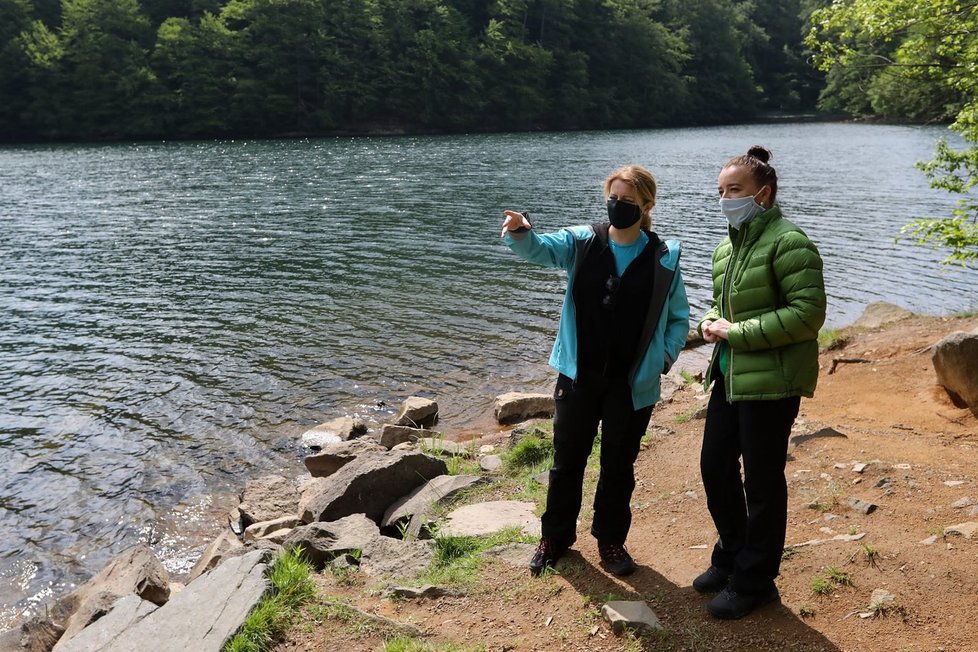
(750, 514)
(579, 408)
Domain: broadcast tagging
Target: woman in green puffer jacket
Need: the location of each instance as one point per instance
(768, 306)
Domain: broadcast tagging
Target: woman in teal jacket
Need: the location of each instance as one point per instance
(768, 306)
(624, 321)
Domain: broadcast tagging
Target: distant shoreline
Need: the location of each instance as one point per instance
(372, 130)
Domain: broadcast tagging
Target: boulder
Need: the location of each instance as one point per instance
(418, 507)
(387, 557)
(370, 484)
(332, 432)
(225, 545)
(332, 457)
(392, 435)
(125, 614)
(417, 412)
(955, 360)
(268, 498)
(137, 571)
(514, 407)
(202, 617)
(323, 541)
(880, 313)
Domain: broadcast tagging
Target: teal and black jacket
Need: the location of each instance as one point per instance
(665, 324)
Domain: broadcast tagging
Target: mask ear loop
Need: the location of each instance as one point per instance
(754, 197)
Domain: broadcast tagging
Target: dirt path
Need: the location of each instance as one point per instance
(920, 457)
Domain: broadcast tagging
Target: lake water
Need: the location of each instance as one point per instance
(175, 314)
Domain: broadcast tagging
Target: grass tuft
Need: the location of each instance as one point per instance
(292, 586)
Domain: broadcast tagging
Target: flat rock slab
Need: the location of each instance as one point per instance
(482, 519)
(126, 613)
(626, 614)
(202, 617)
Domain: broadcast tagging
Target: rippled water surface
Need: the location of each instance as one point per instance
(175, 314)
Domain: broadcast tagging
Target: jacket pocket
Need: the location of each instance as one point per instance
(563, 388)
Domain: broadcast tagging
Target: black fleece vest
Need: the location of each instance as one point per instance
(611, 310)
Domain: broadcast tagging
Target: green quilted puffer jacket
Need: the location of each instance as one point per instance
(767, 281)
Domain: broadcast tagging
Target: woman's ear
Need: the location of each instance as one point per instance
(765, 197)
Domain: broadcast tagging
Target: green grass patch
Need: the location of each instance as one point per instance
(688, 415)
(528, 453)
(292, 586)
(458, 560)
(839, 576)
(820, 585)
(409, 644)
(830, 339)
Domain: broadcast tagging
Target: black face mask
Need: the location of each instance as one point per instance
(623, 214)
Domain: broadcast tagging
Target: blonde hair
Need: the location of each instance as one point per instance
(642, 181)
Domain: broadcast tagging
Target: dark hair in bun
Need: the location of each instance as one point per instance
(756, 161)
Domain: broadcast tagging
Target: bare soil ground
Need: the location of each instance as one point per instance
(920, 452)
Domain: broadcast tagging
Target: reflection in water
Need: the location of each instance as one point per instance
(175, 314)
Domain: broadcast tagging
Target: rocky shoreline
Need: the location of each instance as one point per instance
(380, 496)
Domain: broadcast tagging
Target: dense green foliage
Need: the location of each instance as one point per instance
(917, 61)
(95, 69)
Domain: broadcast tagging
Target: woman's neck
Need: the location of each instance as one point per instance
(625, 236)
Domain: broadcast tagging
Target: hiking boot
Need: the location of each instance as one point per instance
(546, 556)
(711, 580)
(616, 559)
(731, 605)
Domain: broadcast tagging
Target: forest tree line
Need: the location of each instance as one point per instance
(99, 69)
(107, 69)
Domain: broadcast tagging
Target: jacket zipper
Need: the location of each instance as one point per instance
(725, 296)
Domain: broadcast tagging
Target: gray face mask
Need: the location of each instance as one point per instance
(741, 210)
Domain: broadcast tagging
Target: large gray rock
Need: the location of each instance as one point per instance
(387, 557)
(955, 360)
(514, 407)
(268, 498)
(880, 313)
(137, 571)
(322, 542)
(417, 412)
(370, 484)
(392, 435)
(225, 545)
(331, 432)
(417, 509)
(332, 457)
(202, 617)
(125, 614)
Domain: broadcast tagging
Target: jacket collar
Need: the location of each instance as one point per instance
(756, 226)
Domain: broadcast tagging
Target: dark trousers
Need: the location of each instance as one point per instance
(579, 409)
(750, 514)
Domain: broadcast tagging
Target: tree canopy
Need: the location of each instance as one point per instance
(918, 61)
(102, 69)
